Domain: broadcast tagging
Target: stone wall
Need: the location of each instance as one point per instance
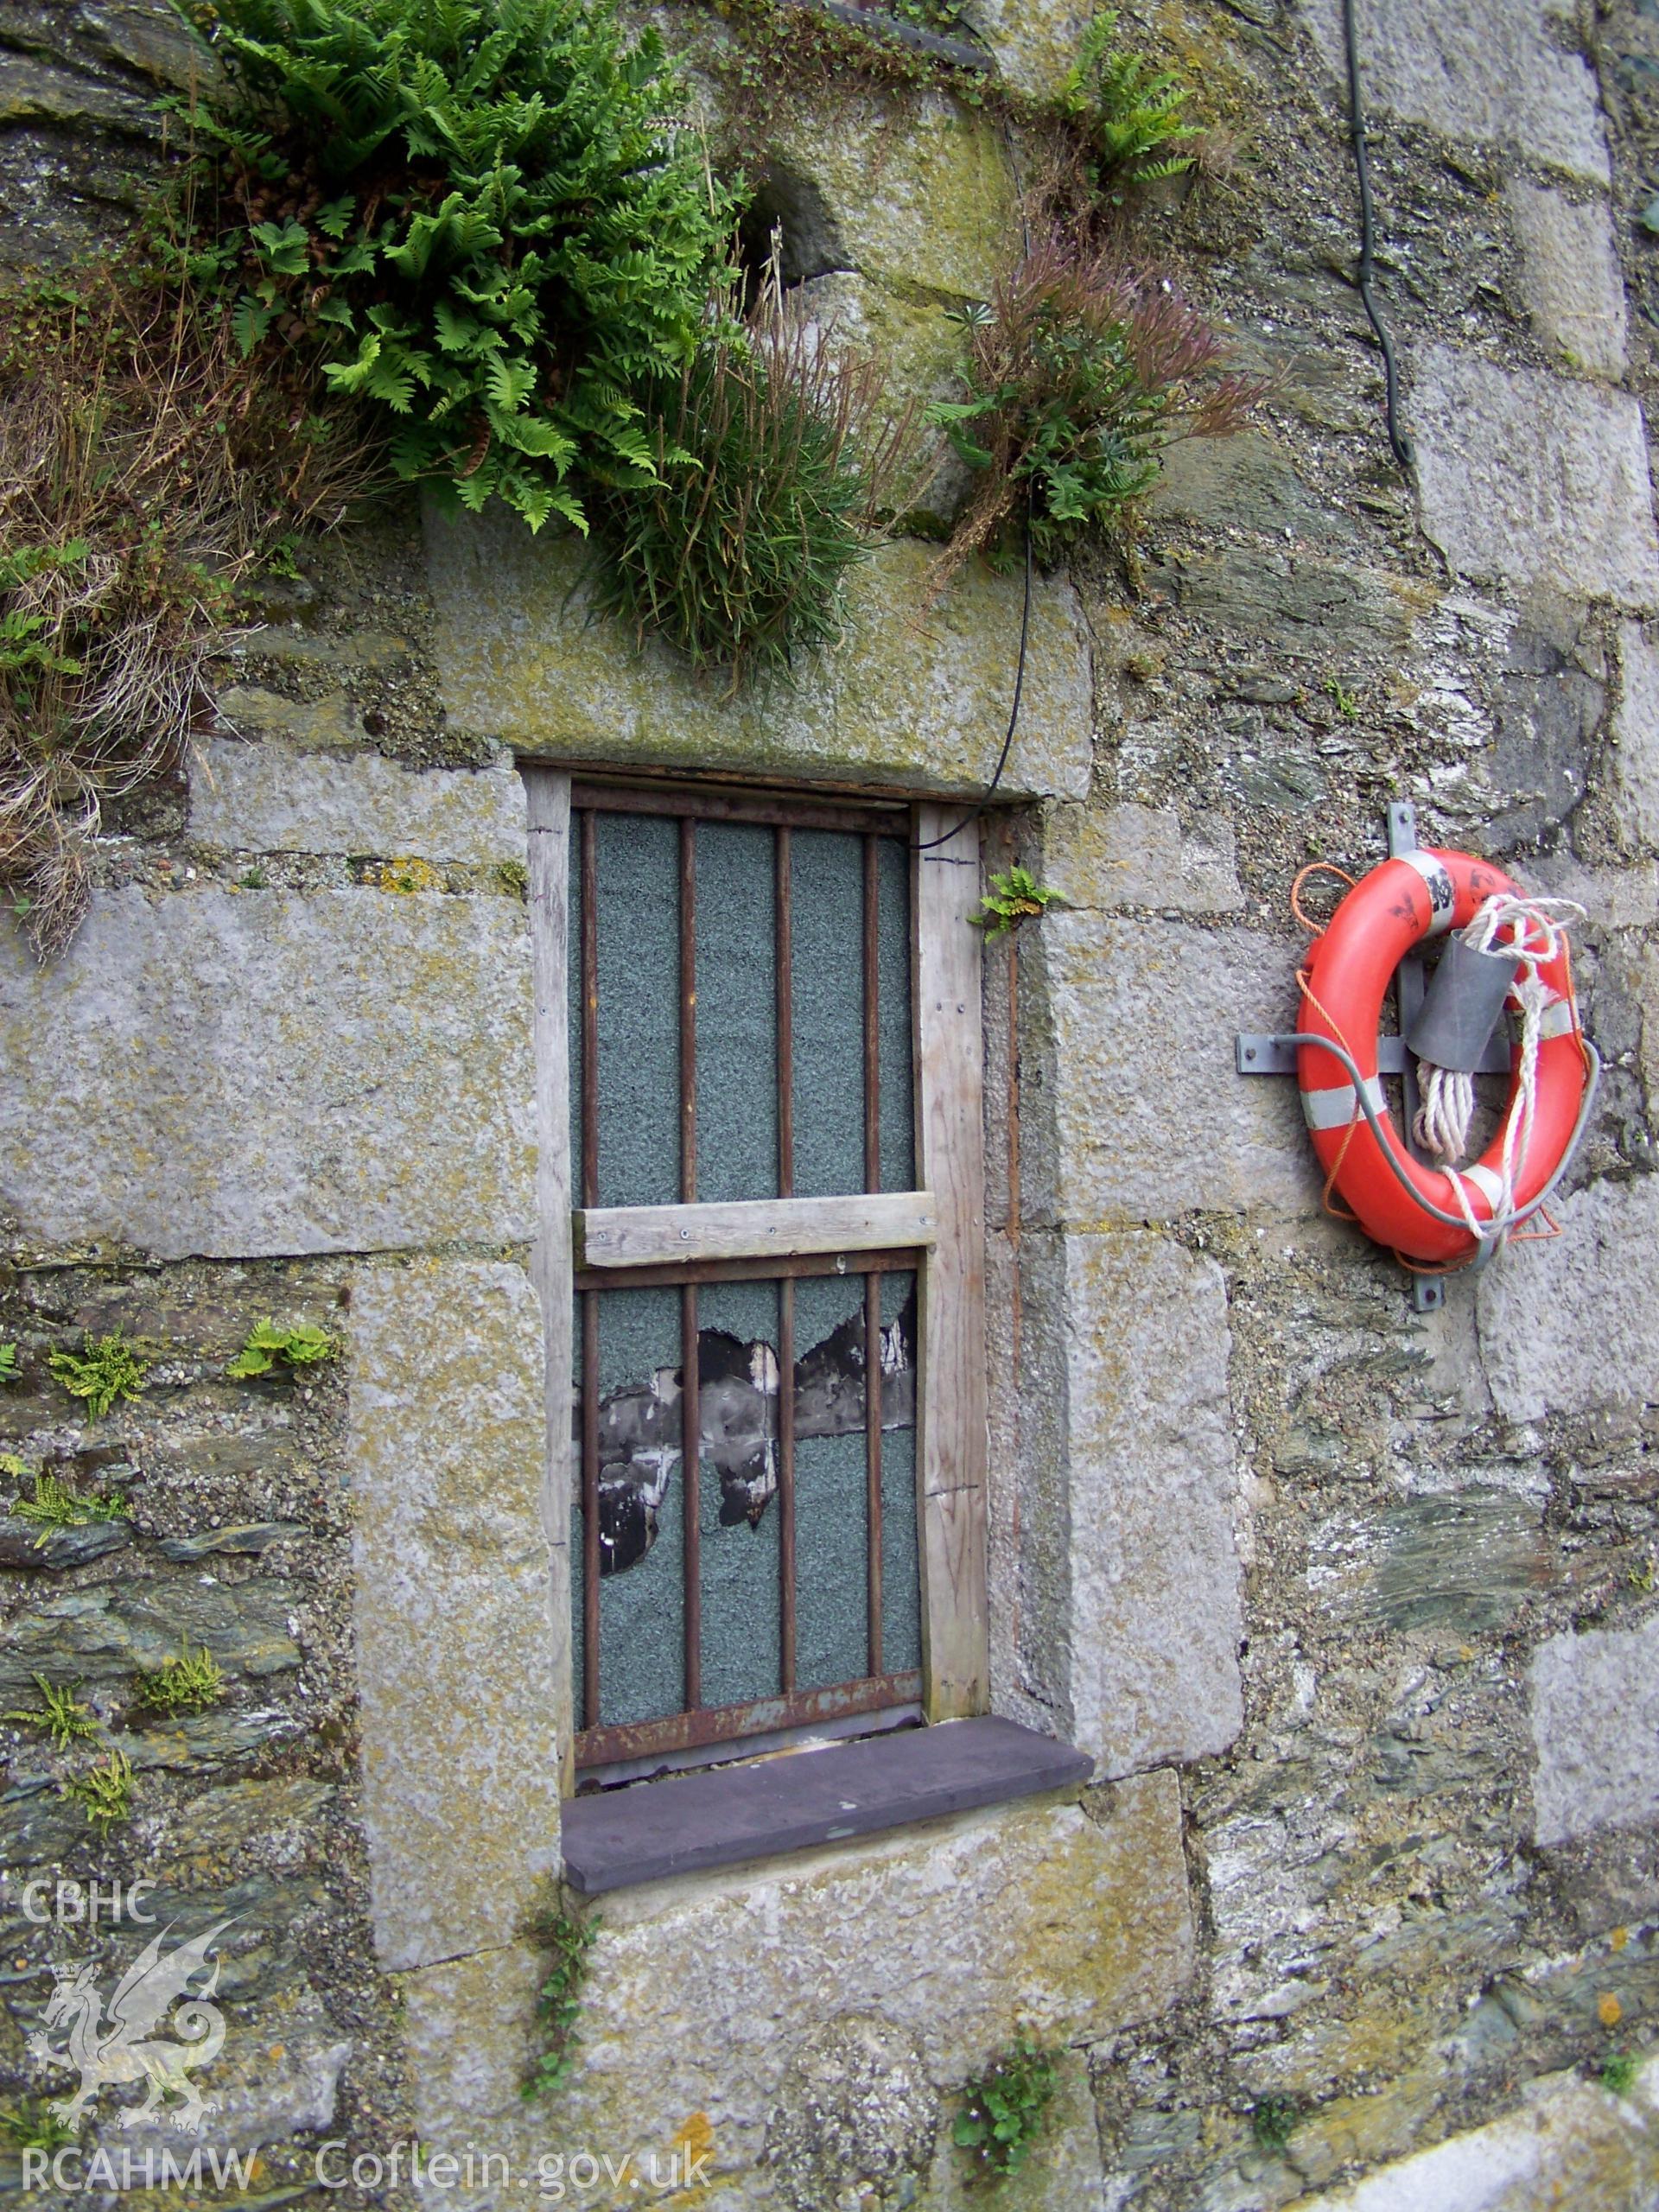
(1353, 1606)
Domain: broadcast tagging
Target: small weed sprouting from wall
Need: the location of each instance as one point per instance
(142, 470)
(472, 219)
(1130, 114)
(558, 2006)
(1002, 2113)
(1274, 2120)
(774, 465)
(188, 1681)
(104, 1370)
(59, 1712)
(1080, 373)
(104, 1793)
(270, 1349)
(1011, 898)
(31, 2124)
(55, 1506)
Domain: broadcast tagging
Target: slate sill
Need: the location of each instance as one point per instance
(685, 1824)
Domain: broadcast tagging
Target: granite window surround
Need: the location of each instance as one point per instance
(733, 1821)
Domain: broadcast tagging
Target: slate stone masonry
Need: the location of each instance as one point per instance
(1351, 1607)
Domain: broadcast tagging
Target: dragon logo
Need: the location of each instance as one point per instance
(124, 2049)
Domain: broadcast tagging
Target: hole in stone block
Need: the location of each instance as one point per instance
(787, 215)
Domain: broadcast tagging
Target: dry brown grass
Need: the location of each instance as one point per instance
(144, 473)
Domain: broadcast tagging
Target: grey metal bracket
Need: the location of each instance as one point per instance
(1263, 1052)
(1269, 1053)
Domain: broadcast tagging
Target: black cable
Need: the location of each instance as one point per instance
(1397, 438)
(989, 793)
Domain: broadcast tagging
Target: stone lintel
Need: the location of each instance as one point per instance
(913, 697)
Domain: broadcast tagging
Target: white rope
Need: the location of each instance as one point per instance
(1447, 1109)
(1448, 1094)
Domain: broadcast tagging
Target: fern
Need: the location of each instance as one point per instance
(472, 219)
(302, 1345)
(1130, 112)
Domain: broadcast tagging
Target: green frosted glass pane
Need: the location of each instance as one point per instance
(830, 1535)
(638, 905)
(897, 1102)
(831, 1503)
(737, 1013)
(738, 1366)
(827, 904)
(641, 1603)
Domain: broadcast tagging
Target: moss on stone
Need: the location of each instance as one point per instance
(918, 697)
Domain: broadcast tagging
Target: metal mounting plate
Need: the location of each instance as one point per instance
(1263, 1053)
(1270, 1054)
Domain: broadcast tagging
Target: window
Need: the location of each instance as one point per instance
(774, 1186)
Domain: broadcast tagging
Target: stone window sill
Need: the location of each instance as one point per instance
(684, 1824)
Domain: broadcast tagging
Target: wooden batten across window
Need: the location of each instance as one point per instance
(761, 1264)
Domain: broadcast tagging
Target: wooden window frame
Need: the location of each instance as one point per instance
(939, 1231)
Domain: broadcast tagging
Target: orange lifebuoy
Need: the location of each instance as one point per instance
(1418, 1211)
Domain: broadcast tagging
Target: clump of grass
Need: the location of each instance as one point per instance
(775, 459)
(61, 1714)
(1013, 896)
(302, 1345)
(189, 1681)
(31, 2124)
(1081, 372)
(105, 1368)
(143, 468)
(55, 1506)
(558, 2004)
(1001, 2118)
(1274, 2120)
(104, 1792)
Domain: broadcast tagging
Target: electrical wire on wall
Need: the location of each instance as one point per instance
(989, 793)
(1397, 438)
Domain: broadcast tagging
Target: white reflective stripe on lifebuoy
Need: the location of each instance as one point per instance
(1559, 1019)
(1442, 892)
(1335, 1109)
(1486, 1181)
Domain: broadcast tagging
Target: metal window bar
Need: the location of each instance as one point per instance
(878, 1692)
(872, 1281)
(784, 951)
